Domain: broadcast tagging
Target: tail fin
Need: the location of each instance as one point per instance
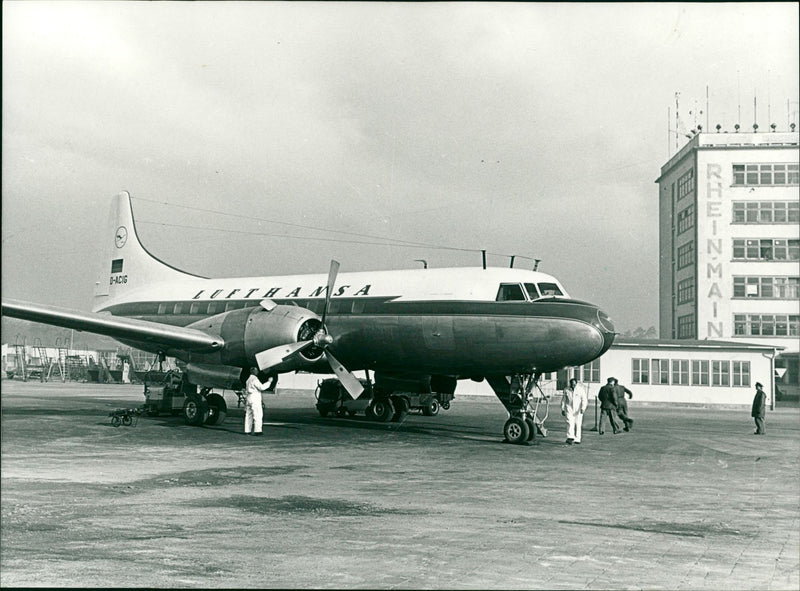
(128, 266)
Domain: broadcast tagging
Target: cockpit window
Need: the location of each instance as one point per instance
(550, 289)
(533, 293)
(510, 292)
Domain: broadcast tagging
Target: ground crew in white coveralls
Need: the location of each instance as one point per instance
(573, 405)
(253, 414)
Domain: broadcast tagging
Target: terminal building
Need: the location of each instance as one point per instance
(729, 244)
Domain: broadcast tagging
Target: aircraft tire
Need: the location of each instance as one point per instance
(195, 410)
(516, 430)
(446, 405)
(126, 420)
(383, 410)
(531, 429)
(116, 421)
(217, 409)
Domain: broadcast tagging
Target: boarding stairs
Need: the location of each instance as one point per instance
(21, 360)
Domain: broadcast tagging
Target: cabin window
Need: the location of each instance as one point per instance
(234, 306)
(533, 293)
(358, 306)
(162, 308)
(177, 308)
(550, 289)
(214, 307)
(510, 292)
(197, 308)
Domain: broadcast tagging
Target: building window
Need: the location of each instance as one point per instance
(686, 290)
(766, 249)
(686, 184)
(699, 372)
(685, 255)
(660, 371)
(746, 175)
(640, 371)
(686, 219)
(766, 212)
(740, 376)
(766, 325)
(590, 371)
(686, 326)
(680, 372)
(767, 288)
(720, 373)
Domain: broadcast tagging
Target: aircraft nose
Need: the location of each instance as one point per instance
(607, 329)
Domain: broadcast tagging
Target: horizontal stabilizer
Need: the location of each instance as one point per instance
(117, 327)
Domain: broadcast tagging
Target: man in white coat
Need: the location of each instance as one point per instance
(253, 414)
(573, 405)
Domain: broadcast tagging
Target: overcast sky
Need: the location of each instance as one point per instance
(531, 129)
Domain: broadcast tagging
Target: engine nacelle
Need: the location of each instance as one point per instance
(216, 376)
(251, 330)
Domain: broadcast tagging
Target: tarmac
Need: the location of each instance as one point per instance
(690, 499)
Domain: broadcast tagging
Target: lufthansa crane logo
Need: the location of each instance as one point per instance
(121, 237)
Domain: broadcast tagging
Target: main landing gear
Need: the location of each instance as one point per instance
(523, 406)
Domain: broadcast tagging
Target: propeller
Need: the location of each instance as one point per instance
(277, 355)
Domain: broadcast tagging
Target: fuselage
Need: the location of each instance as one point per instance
(462, 322)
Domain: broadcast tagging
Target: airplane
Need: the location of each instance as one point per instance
(426, 326)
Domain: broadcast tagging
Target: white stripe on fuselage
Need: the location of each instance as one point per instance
(462, 284)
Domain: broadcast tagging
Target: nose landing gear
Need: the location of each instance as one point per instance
(523, 406)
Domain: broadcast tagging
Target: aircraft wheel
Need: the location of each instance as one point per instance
(432, 408)
(446, 405)
(126, 420)
(382, 410)
(195, 410)
(516, 430)
(401, 408)
(531, 429)
(217, 409)
(116, 421)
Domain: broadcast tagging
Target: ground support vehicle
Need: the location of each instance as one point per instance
(377, 405)
(176, 396)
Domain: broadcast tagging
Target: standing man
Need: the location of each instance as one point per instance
(573, 405)
(254, 414)
(608, 405)
(759, 410)
(622, 404)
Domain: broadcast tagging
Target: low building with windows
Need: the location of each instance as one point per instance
(729, 243)
(690, 371)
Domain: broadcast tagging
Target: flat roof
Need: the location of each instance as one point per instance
(630, 342)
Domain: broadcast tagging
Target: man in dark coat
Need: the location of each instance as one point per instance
(608, 405)
(759, 410)
(622, 404)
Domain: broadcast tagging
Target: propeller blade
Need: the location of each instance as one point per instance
(332, 273)
(348, 380)
(276, 355)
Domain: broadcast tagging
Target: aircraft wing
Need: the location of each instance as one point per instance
(117, 327)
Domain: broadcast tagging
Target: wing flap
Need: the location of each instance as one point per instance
(117, 327)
